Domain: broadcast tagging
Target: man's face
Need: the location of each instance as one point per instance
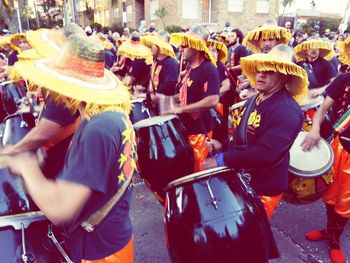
(313, 54)
(288, 25)
(266, 45)
(189, 54)
(269, 81)
(232, 38)
(214, 52)
(23, 44)
(154, 50)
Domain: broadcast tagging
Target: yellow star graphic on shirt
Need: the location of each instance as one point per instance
(127, 133)
(121, 178)
(123, 158)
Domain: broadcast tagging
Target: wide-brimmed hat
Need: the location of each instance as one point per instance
(344, 48)
(4, 40)
(297, 84)
(325, 48)
(251, 40)
(14, 41)
(221, 48)
(192, 40)
(134, 50)
(77, 72)
(155, 39)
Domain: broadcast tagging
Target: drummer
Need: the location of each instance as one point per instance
(273, 124)
(336, 198)
(99, 161)
(313, 55)
(199, 90)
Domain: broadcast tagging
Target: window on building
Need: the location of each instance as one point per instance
(262, 6)
(153, 6)
(129, 13)
(235, 5)
(190, 9)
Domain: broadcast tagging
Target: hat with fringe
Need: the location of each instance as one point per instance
(4, 40)
(221, 37)
(155, 39)
(134, 50)
(221, 47)
(344, 48)
(251, 40)
(14, 41)
(325, 48)
(297, 84)
(77, 72)
(192, 40)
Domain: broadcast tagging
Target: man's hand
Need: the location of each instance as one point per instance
(213, 145)
(209, 163)
(311, 139)
(20, 162)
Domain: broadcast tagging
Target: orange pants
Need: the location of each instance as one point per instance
(270, 203)
(125, 255)
(200, 151)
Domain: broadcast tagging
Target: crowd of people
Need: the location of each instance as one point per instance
(88, 80)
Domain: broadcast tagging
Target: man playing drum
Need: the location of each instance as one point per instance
(273, 124)
(100, 162)
(337, 196)
(199, 89)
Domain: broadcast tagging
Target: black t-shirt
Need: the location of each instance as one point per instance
(319, 72)
(13, 58)
(140, 71)
(100, 157)
(202, 81)
(273, 126)
(235, 54)
(222, 71)
(109, 58)
(336, 90)
(165, 76)
(57, 154)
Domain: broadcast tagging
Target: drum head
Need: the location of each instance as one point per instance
(312, 163)
(310, 103)
(157, 120)
(237, 105)
(196, 176)
(140, 100)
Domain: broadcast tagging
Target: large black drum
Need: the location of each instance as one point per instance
(140, 111)
(11, 93)
(164, 153)
(212, 216)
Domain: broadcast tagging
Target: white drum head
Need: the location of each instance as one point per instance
(140, 100)
(237, 105)
(157, 120)
(311, 163)
(310, 103)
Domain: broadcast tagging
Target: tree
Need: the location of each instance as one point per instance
(285, 3)
(162, 12)
(9, 15)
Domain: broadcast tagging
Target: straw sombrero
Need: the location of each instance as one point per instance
(222, 37)
(344, 48)
(77, 72)
(157, 40)
(134, 50)
(297, 84)
(325, 48)
(192, 40)
(221, 47)
(14, 41)
(4, 40)
(251, 40)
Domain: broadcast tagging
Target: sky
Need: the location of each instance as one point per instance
(325, 6)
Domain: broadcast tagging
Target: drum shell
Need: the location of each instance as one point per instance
(13, 197)
(140, 111)
(164, 154)
(198, 232)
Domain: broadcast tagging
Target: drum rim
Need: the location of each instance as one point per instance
(238, 105)
(23, 218)
(9, 82)
(195, 176)
(159, 123)
(138, 100)
(317, 172)
(313, 105)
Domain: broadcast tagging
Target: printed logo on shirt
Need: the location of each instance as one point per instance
(254, 120)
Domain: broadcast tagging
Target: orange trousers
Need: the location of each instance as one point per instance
(270, 203)
(125, 255)
(200, 151)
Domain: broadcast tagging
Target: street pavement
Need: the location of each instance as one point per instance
(289, 224)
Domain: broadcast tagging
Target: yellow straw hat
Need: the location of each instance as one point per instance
(77, 72)
(325, 48)
(297, 84)
(14, 41)
(251, 40)
(134, 50)
(192, 40)
(344, 48)
(155, 39)
(222, 49)
(4, 40)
